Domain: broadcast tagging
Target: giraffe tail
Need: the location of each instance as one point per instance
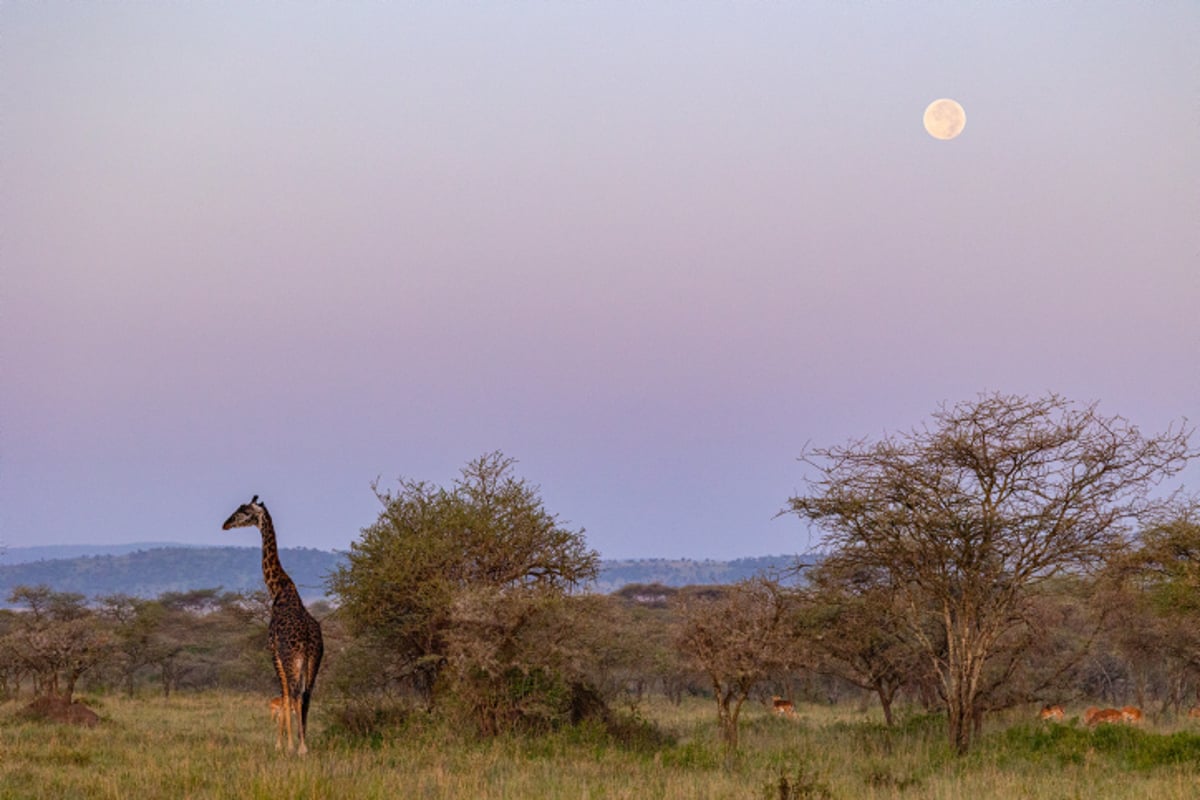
(308, 677)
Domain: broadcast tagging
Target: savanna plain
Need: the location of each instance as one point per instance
(221, 745)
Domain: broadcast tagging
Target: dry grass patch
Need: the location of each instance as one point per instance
(222, 746)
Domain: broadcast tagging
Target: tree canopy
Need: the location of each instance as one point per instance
(431, 546)
(965, 514)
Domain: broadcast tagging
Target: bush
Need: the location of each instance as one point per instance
(1124, 746)
(800, 785)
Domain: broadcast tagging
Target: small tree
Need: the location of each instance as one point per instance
(407, 579)
(966, 515)
(135, 623)
(57, 640)
(738, 636)
(852, 621)
(1156, 608)
(12, 667)
(519, 660)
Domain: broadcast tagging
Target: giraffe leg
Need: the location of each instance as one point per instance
(277, 712)
(285, 717)
(300, 722)
(288, 705)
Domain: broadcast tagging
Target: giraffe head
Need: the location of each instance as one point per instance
(250, 514)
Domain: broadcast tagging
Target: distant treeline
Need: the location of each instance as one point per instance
(152, 572)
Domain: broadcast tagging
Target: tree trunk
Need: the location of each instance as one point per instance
(69, 692)
(959, 700)
(728, 708)
(729, 737)
(727, 721)
(960, 726)
(967, 647)
(886, 695)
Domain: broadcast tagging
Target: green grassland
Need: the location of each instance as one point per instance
(220, 745)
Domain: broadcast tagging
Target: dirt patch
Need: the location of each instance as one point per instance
(57, 709)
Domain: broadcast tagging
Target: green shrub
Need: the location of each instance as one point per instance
(1122, 745)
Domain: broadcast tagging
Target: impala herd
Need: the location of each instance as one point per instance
(1092, 716)
(1129, 715)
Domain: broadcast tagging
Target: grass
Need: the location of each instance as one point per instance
(222, 746)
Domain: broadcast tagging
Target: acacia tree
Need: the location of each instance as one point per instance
(134, 623)
(850, 620)
(1156, 608)
(737, 636)
(56, 640)
(526, 660)
(403, 585)
(969, 513)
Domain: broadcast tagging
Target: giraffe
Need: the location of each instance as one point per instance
(295, 637)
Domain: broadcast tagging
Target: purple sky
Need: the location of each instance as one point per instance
(647, 249)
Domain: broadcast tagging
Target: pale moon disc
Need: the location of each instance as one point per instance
(945, 119)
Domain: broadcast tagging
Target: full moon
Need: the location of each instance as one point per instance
(944, 119)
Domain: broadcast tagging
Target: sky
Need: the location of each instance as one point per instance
(651, 251)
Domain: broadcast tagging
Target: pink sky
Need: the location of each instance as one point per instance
(648, 252)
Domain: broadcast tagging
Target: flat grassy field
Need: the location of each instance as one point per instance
(222, 746)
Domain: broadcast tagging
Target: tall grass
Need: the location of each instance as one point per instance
(222, 746)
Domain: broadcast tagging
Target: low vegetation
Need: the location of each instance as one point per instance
(220, 745)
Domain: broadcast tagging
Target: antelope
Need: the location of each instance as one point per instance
(784, 708)
(1096, 716)
(1194, 713)
(1131, 714)
(1053, 713)
(276, 708)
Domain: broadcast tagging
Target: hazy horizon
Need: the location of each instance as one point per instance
(650, 251)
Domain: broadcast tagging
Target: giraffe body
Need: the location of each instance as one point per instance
(293, 634)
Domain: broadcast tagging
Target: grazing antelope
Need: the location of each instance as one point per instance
(1096, 716)
(1194, 713)
(784, 708)
(1053, 713)
(1131, 714)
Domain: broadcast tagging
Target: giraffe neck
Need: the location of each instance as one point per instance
(277, 580)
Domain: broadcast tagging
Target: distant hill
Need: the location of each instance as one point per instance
(615, 573)
(157, 570)
(23, 555)
(150, 570)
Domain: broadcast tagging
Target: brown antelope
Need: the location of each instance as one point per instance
(1053, 713)
(1131, 714)
(277, 713)
(784, 708)
(1194, 713)
(1096, 716)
